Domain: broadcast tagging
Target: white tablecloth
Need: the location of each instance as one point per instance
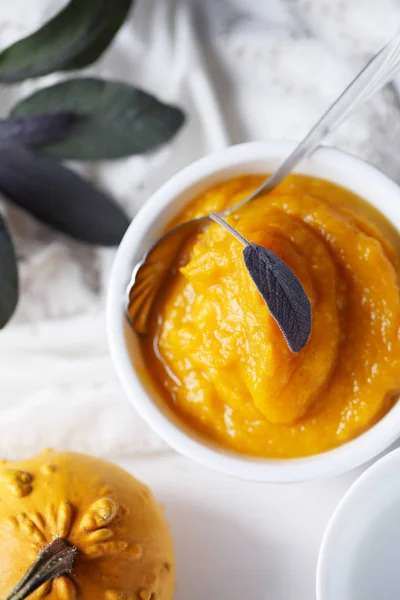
(242, 70)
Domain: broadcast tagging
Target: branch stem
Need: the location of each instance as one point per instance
(215, 217)
(54, 560)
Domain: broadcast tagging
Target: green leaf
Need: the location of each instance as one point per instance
(114, 119)
(279, 287)
(283, 293)
(36, 129)
(59, 197)
(8, 275)
(73, 39)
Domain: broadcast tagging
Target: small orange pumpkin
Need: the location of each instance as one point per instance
(90, 530)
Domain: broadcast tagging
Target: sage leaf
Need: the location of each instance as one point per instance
(37, 129)
(116, 119)
(282, 291)
(59, 197)
(280, 288)
(75, 38)
(8, 275)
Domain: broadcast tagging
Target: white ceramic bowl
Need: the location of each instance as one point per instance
(326, 163)
(359, 556)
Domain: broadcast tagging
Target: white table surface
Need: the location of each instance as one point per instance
(236, 540)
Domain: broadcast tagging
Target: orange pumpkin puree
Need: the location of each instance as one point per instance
(218, 356)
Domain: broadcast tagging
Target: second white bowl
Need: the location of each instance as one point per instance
(359, 554)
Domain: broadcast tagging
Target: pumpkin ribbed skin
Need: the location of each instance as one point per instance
(124, 545)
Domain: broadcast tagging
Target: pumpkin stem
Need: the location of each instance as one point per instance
(54, 560)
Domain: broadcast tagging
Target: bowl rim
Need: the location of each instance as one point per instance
(361, 487)
(330, 463)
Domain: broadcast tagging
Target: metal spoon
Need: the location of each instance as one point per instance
(151, 272)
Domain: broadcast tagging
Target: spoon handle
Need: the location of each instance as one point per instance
(378, 72)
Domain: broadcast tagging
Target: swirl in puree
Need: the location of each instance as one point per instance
(218, 356)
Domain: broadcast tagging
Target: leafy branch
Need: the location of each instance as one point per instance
(86, 119)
